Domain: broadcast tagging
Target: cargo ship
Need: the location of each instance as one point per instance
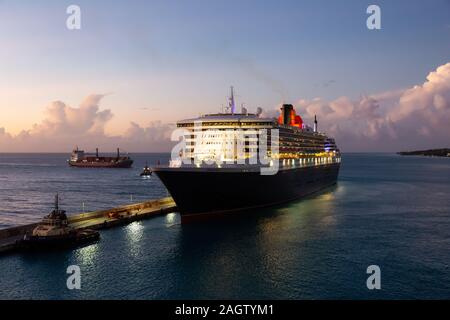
(282, 159)
(80, 159)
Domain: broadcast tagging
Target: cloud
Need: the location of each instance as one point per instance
(62, 119)
(6, 139)
(64, 127)
(403, 119)
(411, 118)
(156, 134)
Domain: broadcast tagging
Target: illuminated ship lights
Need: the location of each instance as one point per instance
(239, 138)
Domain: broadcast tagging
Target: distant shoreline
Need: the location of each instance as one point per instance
(429, 153)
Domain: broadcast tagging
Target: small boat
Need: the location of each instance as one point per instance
(54, 231)
(147, 172)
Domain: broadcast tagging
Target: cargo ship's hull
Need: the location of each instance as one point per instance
(201, 193)
(102, 164)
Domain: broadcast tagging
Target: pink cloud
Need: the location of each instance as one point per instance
(65, 126)
(416, 117)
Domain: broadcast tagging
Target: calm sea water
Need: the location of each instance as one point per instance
(29, 182)
(386, 210)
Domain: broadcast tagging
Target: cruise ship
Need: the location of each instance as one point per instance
(230, 162)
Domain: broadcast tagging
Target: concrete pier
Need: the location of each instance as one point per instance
(95, 220)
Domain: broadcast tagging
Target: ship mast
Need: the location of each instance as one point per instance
(56, 202)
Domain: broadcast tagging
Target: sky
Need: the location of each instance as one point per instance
(136, 67)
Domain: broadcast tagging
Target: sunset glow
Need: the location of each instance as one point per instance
(155, 63)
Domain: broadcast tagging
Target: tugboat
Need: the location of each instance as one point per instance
(54, 232)
(147, 172)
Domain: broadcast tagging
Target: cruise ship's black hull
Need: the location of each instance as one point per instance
(199, 193)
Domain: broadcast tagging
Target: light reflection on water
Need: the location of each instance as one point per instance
(87, 255)
(171, 219)
(135, 231)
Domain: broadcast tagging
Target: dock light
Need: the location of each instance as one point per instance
(171, 218)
